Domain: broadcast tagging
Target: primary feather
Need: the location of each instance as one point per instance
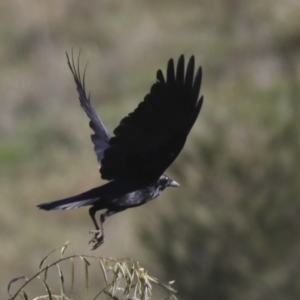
(149, 139)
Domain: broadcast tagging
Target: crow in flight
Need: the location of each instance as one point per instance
(144, 144)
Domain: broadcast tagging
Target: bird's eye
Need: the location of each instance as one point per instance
(165, 181)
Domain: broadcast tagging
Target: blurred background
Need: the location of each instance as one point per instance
(232, 230)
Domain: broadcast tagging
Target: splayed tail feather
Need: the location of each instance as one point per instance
(86, 198)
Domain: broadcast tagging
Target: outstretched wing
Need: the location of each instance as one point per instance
(101, 137)
(149, 139)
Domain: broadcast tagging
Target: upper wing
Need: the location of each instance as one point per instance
(149, 139)
(101, 136)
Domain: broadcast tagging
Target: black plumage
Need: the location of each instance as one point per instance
(144, 144)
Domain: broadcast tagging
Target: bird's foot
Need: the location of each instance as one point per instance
(97, 240)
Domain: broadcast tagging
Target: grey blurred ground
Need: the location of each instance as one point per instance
(232, 231)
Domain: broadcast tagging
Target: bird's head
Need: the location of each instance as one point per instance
(165, 181)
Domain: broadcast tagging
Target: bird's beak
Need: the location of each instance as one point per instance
(173, 183)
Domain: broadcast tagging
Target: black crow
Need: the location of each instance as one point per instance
(144, 144)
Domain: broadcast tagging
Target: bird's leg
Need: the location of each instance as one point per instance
(92, 212)
(98, 238)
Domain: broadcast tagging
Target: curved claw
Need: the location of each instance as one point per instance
(97, 240)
